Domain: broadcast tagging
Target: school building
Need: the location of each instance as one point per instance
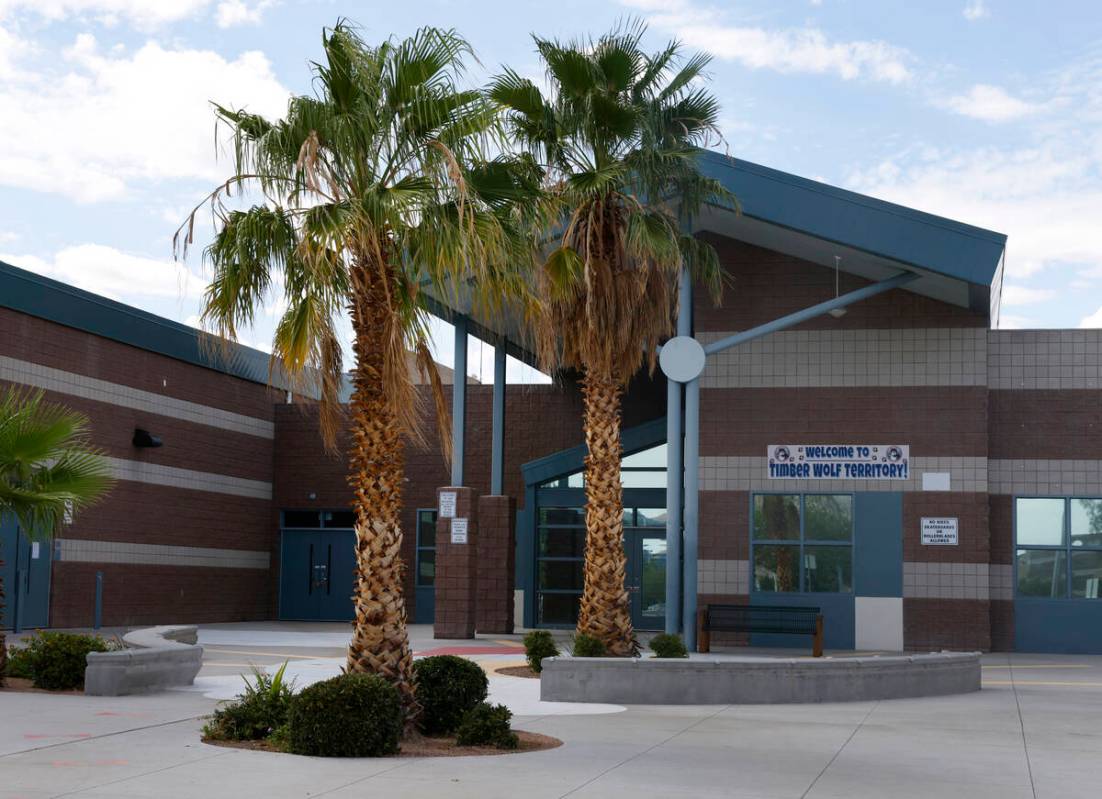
(849, 429)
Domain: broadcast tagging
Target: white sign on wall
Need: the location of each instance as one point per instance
(940, 531)
(447, 504)
(459, 531)
(838, 461)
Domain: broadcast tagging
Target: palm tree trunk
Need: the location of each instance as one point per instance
(380, 642)
(605, 611)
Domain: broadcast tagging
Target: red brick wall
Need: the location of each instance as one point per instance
(935, 421)
(970, 510)
(1045, 424)
(766, 285)
(934, 624)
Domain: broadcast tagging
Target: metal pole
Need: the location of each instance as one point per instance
(97, 616)
(692, 508)
(17, 608)
(497, 436)
(459, 398)
(675, 466)
(810, 313)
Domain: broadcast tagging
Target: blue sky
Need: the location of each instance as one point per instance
(985, 111)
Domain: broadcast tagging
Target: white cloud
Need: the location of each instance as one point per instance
(238, 12)
(1009, 322)
(143, 14)
(96, 124)
(975, 9)
(1094, 320)
(806, 49)
(115, 274)
(991, 104)
(1023, 295)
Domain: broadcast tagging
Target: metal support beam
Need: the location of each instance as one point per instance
(459, 398)
(497, 436)
(674, 466)
(810, 313)
(692, 509)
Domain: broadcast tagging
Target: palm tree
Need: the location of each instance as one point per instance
(373, 188)
(48, 471)
(617, 137)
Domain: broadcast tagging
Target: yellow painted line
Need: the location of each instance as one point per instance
(1041, 682)
(1043, 666)
(280, 655)
(516, 644)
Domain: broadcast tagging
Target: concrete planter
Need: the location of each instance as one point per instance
(158, 658)
(755, 681)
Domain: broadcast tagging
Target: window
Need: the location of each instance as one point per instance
(1058, 547)
(645, 469)
(426, 547)
(802, 542)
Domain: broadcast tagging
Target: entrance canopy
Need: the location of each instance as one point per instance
(956, 263)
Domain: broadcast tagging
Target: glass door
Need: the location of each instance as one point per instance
(645, 542)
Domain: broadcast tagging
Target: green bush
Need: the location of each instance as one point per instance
(487, 725)
(20, 659)
(538, 645)
(667, 645)
(447, 687)
(586, 646)
(257, 713)
(55, 661)
(353, 715)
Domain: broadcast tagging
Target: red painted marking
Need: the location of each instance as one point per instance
(470, 650)
(38, 736)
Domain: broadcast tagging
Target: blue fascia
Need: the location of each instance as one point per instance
(933, 243)
(66, 305)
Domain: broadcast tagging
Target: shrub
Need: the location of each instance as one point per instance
(256, 713)
(538, 645)
(55, 661)
(667, 645)
(353, 715)
(487, 725)
(586, 646)
(447, 687)
(20, 659)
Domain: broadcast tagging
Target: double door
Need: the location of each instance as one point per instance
(26, 577)
(317, 575)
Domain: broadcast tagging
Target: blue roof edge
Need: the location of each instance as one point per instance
(937, 244)
(46, 298)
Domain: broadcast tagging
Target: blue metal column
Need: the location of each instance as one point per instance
(692, 507)
(497, 436)
(675, 466)
(459, 398)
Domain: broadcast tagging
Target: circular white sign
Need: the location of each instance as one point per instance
(682, 359)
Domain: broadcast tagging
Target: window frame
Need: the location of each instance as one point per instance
(1067, 547)
(419, 548)
(803, 542)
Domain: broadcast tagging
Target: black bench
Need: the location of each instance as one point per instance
(759, 619)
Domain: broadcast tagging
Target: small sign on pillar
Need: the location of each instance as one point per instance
(447, 504)
(459, 531)
(940, 532)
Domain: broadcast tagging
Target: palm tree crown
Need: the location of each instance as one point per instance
(617, 138)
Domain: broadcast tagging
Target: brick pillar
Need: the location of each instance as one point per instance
(496, 563)
(456, 567)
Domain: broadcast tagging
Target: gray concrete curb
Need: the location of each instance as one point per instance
(159, 658)
(756, 681)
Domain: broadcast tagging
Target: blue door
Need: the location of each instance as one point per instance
(424, 608)
(26, 576)
(317, 575)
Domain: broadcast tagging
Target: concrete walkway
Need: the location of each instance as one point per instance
(1034, 731)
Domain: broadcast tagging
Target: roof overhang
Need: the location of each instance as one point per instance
(957, 263)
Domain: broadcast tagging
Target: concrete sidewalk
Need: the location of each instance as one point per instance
(1032, 732)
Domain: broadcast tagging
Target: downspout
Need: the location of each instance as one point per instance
(674, 465)
(459, 398)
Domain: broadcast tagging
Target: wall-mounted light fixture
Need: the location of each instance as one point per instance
(837, 313)
(145, 439)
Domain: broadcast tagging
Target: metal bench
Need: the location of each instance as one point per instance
(759, 619)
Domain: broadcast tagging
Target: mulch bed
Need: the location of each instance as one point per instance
(517, 671)
(21, 685)
(426, 747)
